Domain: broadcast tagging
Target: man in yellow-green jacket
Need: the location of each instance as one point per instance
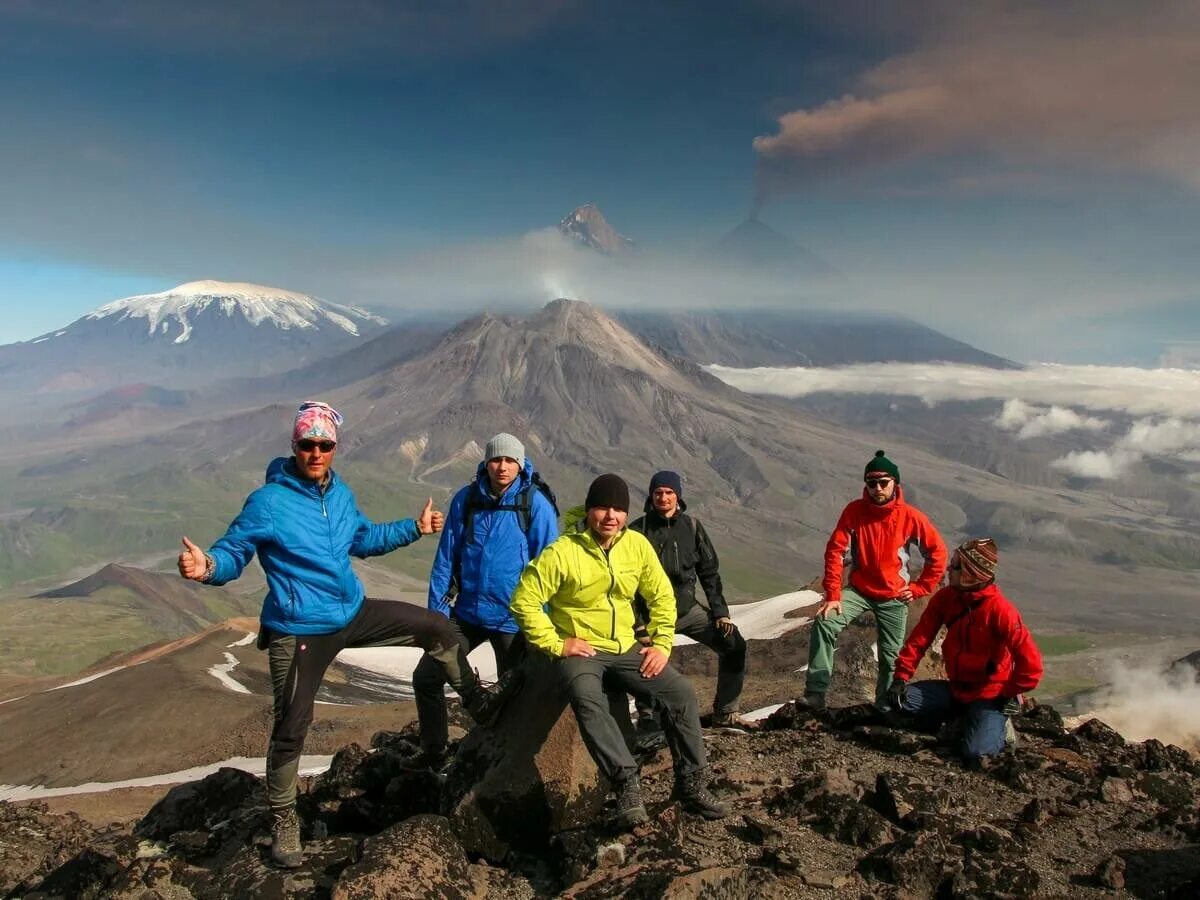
(575, 603)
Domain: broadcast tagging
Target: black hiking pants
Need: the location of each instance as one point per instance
(731, 653)
(298, 664)
(429, 679)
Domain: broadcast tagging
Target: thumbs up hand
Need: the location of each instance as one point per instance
(429, 521)
(192, 562)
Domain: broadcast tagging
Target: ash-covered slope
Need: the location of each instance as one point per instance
(191, 334)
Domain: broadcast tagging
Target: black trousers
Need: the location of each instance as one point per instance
(298, 664)
(731, 652)
(429, 679)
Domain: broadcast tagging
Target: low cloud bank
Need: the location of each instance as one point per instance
(1037, 401)
(1146, 703)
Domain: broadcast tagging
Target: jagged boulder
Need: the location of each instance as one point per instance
(200, 805)
(514, 785)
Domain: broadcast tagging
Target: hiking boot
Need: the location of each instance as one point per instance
(286, 851)
(814, 700)
(631, 807)
(483, 701)
(731, 720)
(433, 759)
(692, 792)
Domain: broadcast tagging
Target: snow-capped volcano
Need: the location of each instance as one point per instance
(190, 335)
(174, 312)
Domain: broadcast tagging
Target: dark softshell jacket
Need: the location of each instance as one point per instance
(688, 556)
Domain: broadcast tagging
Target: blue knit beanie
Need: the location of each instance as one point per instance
(666, 479)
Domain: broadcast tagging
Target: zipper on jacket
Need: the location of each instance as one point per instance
(612, 583)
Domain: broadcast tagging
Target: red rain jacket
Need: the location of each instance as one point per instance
(878, 538)
(988, 651)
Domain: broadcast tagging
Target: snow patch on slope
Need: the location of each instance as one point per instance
(255, 303)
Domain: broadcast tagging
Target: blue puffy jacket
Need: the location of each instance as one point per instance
(304, 539)
(493, 561)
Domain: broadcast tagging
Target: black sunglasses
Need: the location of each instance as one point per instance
(308, 446)
(878, 482)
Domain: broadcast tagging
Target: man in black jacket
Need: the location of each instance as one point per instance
(687, 555)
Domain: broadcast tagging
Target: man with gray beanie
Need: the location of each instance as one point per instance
(687, 556)
(496, 524)
(575, 604)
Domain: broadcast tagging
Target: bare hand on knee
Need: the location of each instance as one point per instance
(653, 661)
(577, 647)
(829, 608)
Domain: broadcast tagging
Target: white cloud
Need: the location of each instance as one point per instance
(1030, 421)
(1138, 392)
(1038, 400)
(1102, 464)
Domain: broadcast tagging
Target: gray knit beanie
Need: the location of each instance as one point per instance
(504, 444)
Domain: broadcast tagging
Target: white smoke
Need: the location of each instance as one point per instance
(1143, 702)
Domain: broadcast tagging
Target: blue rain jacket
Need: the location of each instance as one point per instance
(498, 552)
(304, 539)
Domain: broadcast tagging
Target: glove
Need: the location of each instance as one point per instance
(896, 694)
(1012, 706)
(642, 636)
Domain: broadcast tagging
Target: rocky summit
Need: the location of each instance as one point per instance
(841, 803)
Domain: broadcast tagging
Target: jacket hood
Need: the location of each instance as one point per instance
(896, 502)
(282, 470)
(975, 599)
(523, 479)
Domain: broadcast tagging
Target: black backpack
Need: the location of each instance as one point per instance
(522, 505)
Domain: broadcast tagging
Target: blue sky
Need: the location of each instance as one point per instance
(1022, 178)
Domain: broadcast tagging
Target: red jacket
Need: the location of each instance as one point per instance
(988, 650)
(878, 538)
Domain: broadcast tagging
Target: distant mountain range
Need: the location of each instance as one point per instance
(184, 337)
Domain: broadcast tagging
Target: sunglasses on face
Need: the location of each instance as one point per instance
(878, 482)
(308, 446)
(955, 567)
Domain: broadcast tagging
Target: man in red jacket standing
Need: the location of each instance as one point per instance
(990, 656)
(876, 531)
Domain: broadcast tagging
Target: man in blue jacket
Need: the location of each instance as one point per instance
(497, 524)
(304, 524)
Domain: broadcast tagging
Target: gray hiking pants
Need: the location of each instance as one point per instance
(585, 679)
(298, 663)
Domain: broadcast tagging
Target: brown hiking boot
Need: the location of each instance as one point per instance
(814, 700)
(692, 792)
(731, 720)
(286, 851)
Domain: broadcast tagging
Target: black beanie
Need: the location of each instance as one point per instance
(608, 490)
(667, 479)
(883, 465)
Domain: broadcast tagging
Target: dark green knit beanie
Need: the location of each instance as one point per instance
(882, 464)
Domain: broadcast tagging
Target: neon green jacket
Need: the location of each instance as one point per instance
(572, 589)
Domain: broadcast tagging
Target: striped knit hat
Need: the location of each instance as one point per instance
(979, 558)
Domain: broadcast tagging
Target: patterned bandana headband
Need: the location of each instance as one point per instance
(979, 558)
(318, 420)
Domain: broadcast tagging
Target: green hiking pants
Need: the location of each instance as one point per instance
(891, 618)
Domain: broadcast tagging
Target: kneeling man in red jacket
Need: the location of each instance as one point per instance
(990, 655)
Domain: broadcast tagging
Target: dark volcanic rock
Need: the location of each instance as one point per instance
(1096, 732)
(849, 821)
(515, 784)
(200, 805)
(419, 858)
